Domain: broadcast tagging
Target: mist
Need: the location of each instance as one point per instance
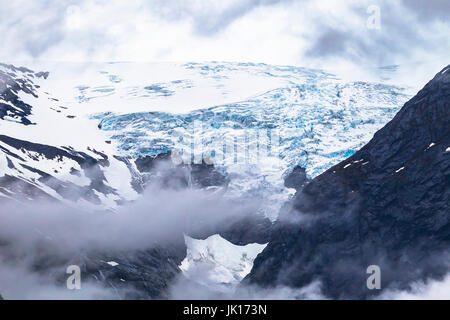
(185, 289)
(38, 241)
(422, 290)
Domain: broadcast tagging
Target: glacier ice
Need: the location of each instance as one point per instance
(222, 263)
(320, 120)
(316, 118)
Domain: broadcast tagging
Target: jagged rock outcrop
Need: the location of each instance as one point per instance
(387, 205)
(296, 179)
(161, 169)
(136, 274)
(239, 230)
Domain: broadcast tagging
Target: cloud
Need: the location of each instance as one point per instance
(402, 37)
(37, 242)
(319, 33)
(160, 215)
(430, 290)
(183, 289)
(209, 18)
(429, 10)
(18, 282)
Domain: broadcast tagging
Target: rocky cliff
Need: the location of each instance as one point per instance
(387, 205)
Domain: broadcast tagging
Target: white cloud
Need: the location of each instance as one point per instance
(433, 290)
(319, 33)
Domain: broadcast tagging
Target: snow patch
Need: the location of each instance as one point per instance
(216, 262)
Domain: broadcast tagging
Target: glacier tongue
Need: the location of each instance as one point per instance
(221, 264)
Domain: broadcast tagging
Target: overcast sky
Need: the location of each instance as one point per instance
(319, 33)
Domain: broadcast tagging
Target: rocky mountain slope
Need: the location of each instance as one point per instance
(95, 140)
(386, 205)
(89, 177)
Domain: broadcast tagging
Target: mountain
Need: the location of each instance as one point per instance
(124, 111)
(386, 205)
(93, 137)
(32, 167)
(82, 177)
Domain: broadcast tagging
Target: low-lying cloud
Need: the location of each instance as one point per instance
(37, 241)
(430, 290)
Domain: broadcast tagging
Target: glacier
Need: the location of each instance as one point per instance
(124, 111)
(139, 109)
(320, 119)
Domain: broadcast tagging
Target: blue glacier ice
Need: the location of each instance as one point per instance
(319, 118)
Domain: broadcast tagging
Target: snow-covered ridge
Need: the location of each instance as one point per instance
(48, 153)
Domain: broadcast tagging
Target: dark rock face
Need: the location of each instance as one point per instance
(143, 274)
(147, 164)
(124, 274)
(387, 205)
(237, 230)
(240, 230)
(249, 229)
(297, 179)
(161, 169)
